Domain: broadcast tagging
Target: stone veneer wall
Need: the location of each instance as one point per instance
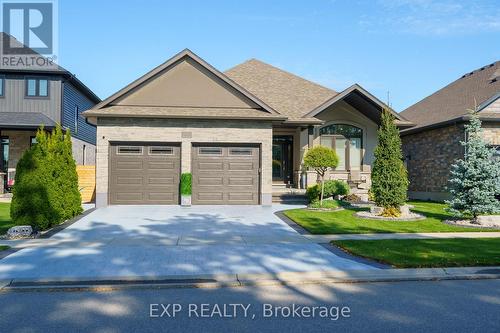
(81, 158)
(184, 132)
(429, 156)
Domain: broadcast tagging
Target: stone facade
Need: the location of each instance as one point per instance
(184, 132)
(429, 156)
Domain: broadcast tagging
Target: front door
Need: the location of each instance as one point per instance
(283, 159)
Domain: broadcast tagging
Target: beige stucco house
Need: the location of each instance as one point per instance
(242, 134)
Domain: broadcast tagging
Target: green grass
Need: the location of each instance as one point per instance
(415, 253)
(5, 221)
(344, 221)
(330, 204)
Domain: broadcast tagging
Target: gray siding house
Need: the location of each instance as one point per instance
(30, 98)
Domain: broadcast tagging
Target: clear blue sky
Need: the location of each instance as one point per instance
(408, 47)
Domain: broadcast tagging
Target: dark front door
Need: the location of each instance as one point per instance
(283, 159)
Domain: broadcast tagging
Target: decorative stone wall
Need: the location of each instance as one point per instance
(428, 157)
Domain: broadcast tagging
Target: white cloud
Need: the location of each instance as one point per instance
(434, 17)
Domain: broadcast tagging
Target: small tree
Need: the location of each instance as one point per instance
(45, 191)
(475, 179)
(320, 159)
(389, 176)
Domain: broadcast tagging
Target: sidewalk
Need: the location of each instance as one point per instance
(182, 241)
(427, 235)
(237, 280)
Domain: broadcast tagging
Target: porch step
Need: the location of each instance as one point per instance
(288, 198)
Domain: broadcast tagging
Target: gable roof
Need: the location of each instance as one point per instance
(102, 108)
(358, 96)
(452, 102)
(56, 70)
(287, 93)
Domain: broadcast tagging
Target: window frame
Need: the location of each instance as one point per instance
(2, 91)
(141, 150)
(347, 148)
(219, 153)
(37, 80)
(168, 149)
(77, 110)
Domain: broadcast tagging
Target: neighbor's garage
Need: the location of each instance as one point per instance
(225, 174)
(144, 173)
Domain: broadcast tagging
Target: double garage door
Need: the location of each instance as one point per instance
(142, 173)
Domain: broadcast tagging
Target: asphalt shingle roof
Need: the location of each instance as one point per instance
(287, 93)
(455, 99)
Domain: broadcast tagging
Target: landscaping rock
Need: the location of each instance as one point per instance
(489, 220)
(376, 210)
(22, 231)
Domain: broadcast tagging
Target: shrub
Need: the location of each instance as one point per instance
(391, 212)
(313, 193)
(321, 159)
(46, 184)
(186, 183)
(389, 175)
(331, 204)
(351, 198)
(336, 187)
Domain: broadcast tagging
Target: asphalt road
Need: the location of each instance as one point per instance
(446, 306)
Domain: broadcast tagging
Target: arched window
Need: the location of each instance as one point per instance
(347, 141)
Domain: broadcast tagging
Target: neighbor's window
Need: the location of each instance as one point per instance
(76, 119)
(37, 87)
(2, 85)
(347, 141)
(32, 141)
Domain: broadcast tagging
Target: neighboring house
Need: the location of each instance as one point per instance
(241, 133)
(432, 146)
(30, 98)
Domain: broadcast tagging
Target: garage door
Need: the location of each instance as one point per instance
(226, 175)
(144, 174)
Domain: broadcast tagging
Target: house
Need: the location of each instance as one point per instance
(432, 146)
(33, 97)
(241, 133)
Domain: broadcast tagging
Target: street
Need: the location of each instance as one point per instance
(445, 306)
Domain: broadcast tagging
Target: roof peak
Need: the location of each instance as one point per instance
(258, 61)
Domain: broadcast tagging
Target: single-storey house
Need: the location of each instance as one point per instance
(242, 134)
(433, 145)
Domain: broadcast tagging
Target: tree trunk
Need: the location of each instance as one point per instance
(322, 190)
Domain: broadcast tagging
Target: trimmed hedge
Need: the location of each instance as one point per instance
(186, 183)
(45, 191)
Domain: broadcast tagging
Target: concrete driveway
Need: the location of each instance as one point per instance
(155, 241)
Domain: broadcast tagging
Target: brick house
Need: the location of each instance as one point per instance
(432, 146)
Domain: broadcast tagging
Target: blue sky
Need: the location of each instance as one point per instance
(410, 48)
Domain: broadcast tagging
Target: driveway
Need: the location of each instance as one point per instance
(153, 241)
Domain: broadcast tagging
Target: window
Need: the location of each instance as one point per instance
(496, 154)
(347, 141)
(210, 151)
(2, 85)
(84, 152)
(32, 141)
(240, 151)
(37, 87)
(76, 119)
(161, 150)
(129, 150)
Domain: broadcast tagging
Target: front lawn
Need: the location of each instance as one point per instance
(344, 221)
(5, 221)
(415, 253)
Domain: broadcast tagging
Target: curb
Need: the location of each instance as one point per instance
(239, 280)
